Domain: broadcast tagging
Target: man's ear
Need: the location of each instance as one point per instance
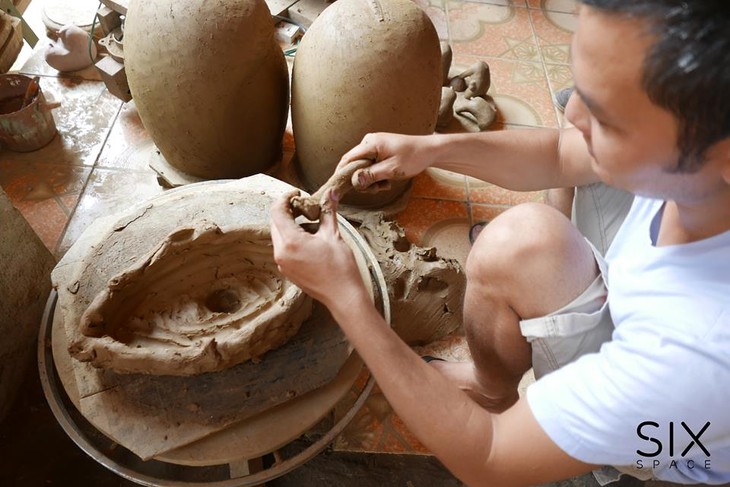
(720, 150)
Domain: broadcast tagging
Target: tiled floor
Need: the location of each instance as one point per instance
(98, 162)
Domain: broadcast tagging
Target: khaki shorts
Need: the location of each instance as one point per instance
(578, 328)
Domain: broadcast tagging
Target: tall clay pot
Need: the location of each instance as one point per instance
(210, 83)
(363, 66)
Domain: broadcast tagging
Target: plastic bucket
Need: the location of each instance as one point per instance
(23, 128)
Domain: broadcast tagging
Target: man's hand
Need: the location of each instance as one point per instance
(396, 157)
(321, 264)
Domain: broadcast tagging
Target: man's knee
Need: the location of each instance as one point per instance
(532, 257)
(519, 236)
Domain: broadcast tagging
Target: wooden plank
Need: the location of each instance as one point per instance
(279, 7)
(151, 415)
(120, 6)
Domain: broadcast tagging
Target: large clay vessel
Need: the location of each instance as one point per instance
(363, 66)
(210, 83)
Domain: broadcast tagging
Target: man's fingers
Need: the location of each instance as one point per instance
(328, 217)
(366, 180)
(281, 215)
(364, 150)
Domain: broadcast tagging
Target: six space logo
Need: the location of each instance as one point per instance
(678, 441)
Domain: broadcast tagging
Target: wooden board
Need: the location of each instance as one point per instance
(155, 415)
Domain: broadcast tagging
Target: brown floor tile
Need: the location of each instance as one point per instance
(107, 192)
(422, 214)
(436, 11)
(520, 90)
(489, 30)
(439, 184)
(485, 213)
(46, 217)
(554, 31)
(559, 76)
(44, 193)
(482, 192)
(568, 6)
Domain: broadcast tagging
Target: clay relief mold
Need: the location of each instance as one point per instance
(201, 301)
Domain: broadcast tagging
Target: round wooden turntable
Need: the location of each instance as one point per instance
(206, 428)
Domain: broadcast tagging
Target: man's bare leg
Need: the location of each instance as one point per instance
(528, 262)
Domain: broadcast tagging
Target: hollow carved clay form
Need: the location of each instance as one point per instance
(426, 291)
(188, 276)
(363, 66)
(202, 301)
(210, 83)
(71, 52)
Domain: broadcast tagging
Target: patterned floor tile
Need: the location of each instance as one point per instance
(488, 30)
(554, 32)
(421, 214)
(107, 192)
(506, 3)
(567, 6)
(485, 193)
(439, 184)
(485, 213)
(519, 89)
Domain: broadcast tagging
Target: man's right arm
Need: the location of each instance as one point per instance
(518, 160)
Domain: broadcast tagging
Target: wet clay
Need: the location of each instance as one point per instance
(477, 113)
(182, 284)
(464, 98)
(341, 182)
(202, 301)
(363, 66)
(426, 291)
(446, 108)
(210, 83)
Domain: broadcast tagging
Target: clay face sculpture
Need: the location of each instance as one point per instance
(210, 83)
(202, 301)
(71, 51)
(363, 66)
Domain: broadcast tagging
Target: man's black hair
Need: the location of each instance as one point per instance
(687, 70)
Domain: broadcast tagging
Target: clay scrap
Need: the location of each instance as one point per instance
(426, 291)
(340, 181)
(464, 96)
(203, 300)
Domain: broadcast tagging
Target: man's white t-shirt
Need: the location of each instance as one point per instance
(657, 396)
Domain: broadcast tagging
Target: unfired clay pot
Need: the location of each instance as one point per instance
(363, 66)
(210, 83)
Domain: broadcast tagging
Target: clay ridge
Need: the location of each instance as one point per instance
(202, 301)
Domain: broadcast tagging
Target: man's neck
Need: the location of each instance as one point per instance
(682, 224)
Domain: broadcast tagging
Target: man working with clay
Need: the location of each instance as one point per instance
(631, 351)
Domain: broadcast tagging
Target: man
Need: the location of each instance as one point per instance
(652, 117)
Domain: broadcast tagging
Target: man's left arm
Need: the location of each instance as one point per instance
(478, 447)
